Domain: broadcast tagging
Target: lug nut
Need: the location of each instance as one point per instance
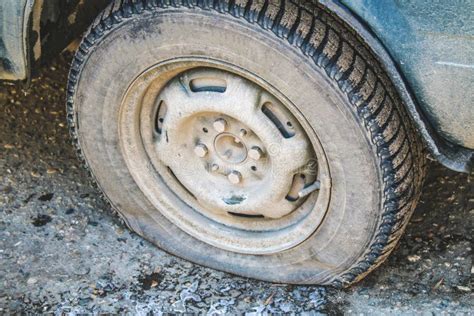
(234, 177)
(220, 125)
(243, 132)
(200, 150)
(255, 153)
(214, 167)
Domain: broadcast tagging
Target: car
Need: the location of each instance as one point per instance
(284, 141)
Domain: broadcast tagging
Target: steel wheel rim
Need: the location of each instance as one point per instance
(165, 180)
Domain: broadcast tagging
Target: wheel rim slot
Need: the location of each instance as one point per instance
(160, 116)
(208, 85)
(278, 118)
(298, 184)
(246, 215)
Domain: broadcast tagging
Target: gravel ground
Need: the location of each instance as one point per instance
(62, 249)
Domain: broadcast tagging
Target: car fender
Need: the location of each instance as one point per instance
(455, 157)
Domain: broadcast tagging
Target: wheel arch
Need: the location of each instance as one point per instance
(452, 156)
(33, 31)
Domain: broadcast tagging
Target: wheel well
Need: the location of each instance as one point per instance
(450, 155)
(56, 23)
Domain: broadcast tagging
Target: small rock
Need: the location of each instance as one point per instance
(463, 288)
(35, 174)
(8, 146)
(414, 258)
(438, 284)
(31, 281)
(269, 299)
(51, 170)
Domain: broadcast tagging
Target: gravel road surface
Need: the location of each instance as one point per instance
(62, 249)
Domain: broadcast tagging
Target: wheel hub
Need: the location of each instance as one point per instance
(230, 148)
(231, 163)
(231, 171)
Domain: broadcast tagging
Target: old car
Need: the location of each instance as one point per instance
(279, 140)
